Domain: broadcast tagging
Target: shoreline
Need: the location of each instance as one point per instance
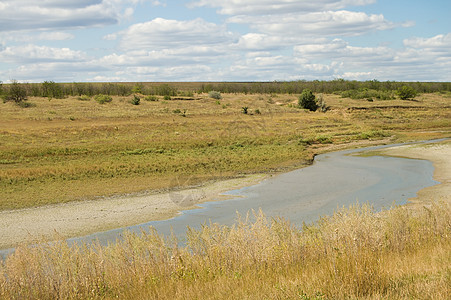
(68, 220)
(82, 218)
(439, 154)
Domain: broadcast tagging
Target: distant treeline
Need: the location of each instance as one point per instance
(61, 90)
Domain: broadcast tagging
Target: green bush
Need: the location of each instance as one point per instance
(137, 88)
(406, 92)
(16, 93)
(307, 100)
(167, 97)
(215, 95)
(101, 98)
(136, 100)
(52, 89)
(84, 98)
(151, 98)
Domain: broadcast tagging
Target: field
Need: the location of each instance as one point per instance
(72, 148)
(61, 150)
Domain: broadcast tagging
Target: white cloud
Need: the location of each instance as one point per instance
(269, 7)
(55, 36)
(326, 23)
(33, 53)
(48, 14)
(164, 34)
(439, 42)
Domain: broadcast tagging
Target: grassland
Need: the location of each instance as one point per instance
(60, 150)
(354, 254)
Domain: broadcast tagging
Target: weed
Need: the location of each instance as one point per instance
(102, 99)
(355, 253)
(84, 98)
(151, 98)
(215, 95)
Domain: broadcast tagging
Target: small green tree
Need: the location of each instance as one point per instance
(406, 92)
(137, 88)
(136, 100)
(16, 93)
(52, 89)
(307, 100)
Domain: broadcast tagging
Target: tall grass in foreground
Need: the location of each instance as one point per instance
(356, 253)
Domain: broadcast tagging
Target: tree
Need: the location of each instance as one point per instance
(406, 92)
(307, 100)
(16, 93)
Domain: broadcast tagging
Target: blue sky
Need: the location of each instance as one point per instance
(231, 40)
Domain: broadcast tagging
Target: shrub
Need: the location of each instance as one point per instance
(406, 92)
(151, 98)
(136, 100)
(322, 105)
(245, 110)
(167, 97)
(137, 88)
(16, 93)
(307, 100)
(215, 95)
(52, 89)
(84, 98)
(101, 98)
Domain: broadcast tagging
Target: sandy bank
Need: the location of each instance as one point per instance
(440, 155)
(82, 218)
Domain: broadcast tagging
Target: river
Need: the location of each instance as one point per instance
(335, 180)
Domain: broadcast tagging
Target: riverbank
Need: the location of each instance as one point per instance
(73, 219)
(82, 218)
(439, 154)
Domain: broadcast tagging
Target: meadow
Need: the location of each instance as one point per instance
(60, 150)
(63, 147)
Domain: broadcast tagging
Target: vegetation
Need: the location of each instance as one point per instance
(307, 100)
(354, 254)
(66, 149)
(406, 92)
(383, 90)
(135, 100)
(102, 99)
(15, 93)
(215, 95)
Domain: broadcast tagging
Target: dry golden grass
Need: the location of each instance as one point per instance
(67, 149)
(356, 253)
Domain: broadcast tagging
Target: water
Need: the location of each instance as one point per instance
(335, 180)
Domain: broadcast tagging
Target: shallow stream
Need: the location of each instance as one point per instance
(335, 180)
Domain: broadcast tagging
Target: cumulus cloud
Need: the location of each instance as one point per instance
(439, 42)
(33, 53)
(48, 14)
(326, 23)
(163, 34)
(268, 7)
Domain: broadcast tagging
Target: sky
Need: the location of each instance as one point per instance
(224, 40)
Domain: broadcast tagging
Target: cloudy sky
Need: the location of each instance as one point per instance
(224, 40)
